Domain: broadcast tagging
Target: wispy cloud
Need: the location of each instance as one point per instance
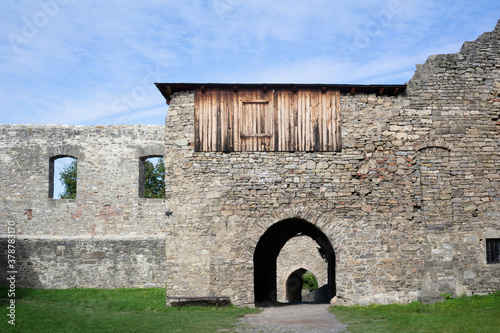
(88, 63)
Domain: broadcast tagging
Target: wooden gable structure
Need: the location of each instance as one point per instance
(253, 117)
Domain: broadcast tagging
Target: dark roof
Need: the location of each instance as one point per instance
(167, 89)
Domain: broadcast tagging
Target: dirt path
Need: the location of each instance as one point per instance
(310, 318)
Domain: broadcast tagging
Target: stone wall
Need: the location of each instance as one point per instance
(351, 196)
(106, 237)
(107, 200)
(454, 101)
(97, 262)
(319, 295)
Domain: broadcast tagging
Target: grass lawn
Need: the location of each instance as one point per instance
(463, 314)
(115, 310)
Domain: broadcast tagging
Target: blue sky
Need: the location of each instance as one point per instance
(91, 63)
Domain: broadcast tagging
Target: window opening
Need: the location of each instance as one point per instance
(152, 177)
(493, 251)
(63, 177)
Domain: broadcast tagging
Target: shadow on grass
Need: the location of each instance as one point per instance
(6, 294)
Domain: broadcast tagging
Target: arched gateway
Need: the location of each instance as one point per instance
(294, 285)
(268, 249)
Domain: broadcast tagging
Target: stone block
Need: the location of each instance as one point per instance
(335, 301)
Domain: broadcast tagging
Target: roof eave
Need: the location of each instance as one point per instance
(167, 89)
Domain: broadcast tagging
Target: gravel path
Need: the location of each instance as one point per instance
(310, 318)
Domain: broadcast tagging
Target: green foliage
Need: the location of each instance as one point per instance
(111, 310)
(154, 181)
(309, 281)
(68, 179)
(461, 314)
(447, 296)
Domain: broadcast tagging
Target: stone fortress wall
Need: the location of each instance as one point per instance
(407, 205)
(107, 236)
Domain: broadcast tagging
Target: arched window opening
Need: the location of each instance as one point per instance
(63, 177)
(152, 177)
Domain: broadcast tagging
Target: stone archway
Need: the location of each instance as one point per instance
(294, 286)
(299, 252)
(268, 249)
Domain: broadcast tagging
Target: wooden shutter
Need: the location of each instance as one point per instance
(256, 121)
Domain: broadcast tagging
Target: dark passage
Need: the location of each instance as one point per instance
(294, 286)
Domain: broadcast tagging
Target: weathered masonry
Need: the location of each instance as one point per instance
(388, 193)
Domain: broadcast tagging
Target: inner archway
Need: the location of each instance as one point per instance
(268, 249)
(301, 252)
(294, 286)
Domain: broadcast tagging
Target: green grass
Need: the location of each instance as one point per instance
(462, 314)
(110, 310)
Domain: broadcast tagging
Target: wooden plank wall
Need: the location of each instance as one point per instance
(274, 120)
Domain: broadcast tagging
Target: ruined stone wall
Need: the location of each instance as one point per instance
(407, 204)
(107, 200)
(454, 101)
(60, 239)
